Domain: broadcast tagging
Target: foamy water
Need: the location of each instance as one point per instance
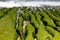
(32, 3)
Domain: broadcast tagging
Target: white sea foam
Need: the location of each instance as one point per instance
(32, 3)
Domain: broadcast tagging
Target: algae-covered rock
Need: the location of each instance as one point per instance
(30, 32)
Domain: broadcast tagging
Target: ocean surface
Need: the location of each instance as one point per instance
(29, 0)
(33, 3)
